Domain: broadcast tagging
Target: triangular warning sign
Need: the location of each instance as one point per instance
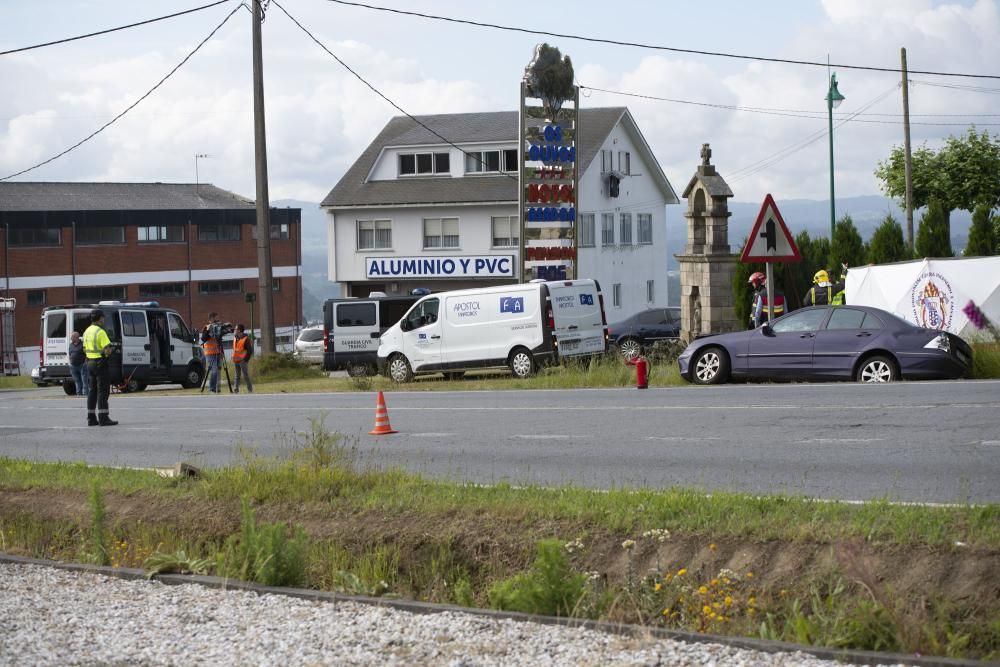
(770, 240)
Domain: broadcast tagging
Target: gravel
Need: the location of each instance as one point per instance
(55, 617)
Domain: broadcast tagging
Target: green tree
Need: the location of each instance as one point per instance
(981, 240)
(887, 243)
(932, 234)
(846, 246)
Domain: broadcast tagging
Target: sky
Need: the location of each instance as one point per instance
(320, 117)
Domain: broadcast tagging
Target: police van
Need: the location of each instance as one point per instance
(352, 326)
(521, 327)
(150, 345)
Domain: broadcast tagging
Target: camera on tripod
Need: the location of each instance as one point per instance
(219, 329)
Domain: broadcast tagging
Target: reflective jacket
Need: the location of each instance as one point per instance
(209, 345)
(95, 339)
(242, 349)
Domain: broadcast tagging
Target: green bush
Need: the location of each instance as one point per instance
(550, 588)
(264, 553)
(281, 366)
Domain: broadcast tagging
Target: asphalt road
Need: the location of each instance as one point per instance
(924, 442)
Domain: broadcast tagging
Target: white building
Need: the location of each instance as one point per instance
(414, 211)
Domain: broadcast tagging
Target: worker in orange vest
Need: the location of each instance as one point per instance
(242, 352)
(211, 346)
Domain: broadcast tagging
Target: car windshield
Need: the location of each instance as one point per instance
(311, 335)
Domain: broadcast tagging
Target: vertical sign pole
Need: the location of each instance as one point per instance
(576, 186)
(907, 155)
(522, 214)
(769, 277)
(267, 342)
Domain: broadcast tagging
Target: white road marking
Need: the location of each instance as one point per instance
(540, 436)
(990, 443)
(431, 435)
(678, 438)
(807, 441)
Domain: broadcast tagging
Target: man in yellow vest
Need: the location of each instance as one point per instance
(97, 347)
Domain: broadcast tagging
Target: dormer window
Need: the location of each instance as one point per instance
(424, 164)
(484, 162)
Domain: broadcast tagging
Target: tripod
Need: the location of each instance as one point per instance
(225, 368)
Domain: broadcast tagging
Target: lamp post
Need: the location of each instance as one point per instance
(833, 100)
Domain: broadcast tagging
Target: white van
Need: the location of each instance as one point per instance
(150, 345)
(521, 327)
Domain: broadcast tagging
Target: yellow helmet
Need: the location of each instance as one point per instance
(821, 277)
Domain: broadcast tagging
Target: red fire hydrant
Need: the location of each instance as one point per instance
(641, 371)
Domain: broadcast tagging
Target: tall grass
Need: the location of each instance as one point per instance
(986, 360)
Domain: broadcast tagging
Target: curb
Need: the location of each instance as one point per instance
(635, 631)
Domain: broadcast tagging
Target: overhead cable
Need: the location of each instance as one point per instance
(599, 40)
(134, 104)
(110, 30)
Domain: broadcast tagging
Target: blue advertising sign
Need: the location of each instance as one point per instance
(512, 304)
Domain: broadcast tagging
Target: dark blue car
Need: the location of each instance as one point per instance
(828, 343)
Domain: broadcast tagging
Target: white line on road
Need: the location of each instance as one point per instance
(431, 435)
(540, 436)
(807, 441)
(678, 438)
(990, 443)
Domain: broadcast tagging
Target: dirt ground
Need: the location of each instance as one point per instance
(958, 576)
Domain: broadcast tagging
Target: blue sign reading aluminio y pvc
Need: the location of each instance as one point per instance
(475, 266)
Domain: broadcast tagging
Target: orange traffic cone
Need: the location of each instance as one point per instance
(382, 426)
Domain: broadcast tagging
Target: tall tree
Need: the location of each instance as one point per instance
(887, 243)
(846, 246)
(981, 241)
(932, 235)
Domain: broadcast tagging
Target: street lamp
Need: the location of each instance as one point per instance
(833, 100)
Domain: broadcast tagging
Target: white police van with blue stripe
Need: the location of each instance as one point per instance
(521, 327)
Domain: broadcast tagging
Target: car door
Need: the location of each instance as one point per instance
(846, 335)
(784, 349)
(421, 332)
(181, 350)
(355, 333)
(135, 340)
(654, 325)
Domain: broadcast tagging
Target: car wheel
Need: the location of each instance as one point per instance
(877, 369)
(710, 366)
(193, 378)
(69, 387)
(630, 348)
(131, 386)
(454, 375)
(399, 369)
(521, 363)
(358, 370)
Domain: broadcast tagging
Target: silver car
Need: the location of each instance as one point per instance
(309, 345)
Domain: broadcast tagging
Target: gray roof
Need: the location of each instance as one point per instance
(28, 196)
(461, 128)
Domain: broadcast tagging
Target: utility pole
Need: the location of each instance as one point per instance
(907, 156)
(264, 291)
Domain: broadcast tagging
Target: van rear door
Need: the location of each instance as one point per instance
(135, 340)
(55, 338)
(578, 317)
(355, 332)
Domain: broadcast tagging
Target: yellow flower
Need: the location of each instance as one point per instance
(711, 546)
(749, 575)
(657, 587)
(714, 582)
(783, 593)
(751, 611)
(669, 577)
(706, 610)
(681, 572)
(666, 612)
(729, 601)
(716, 605)
(702, 590)
(712, 615)
(752, 600)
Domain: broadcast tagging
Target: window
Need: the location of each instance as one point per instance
(36, 297)
(374, 234)
(626, 229)
(616, 295)
(440, 233)
(207, 232)
(214, 287)
(607, 229)
(506, 231)
(625, 162)
(356, 315)
(134, 323)
(104, 293)
(478, 162)
(35, 236)
(422, 314)
(645, 230)
(650, 293)
(653, 315)
(162, 290)
(605, 161)
(411, 164)
(55, 325)
(275, 284)
(871, 322)
(100, 234)
(586, 230)
(278, 232)
(846, 318)
(178, 329)
(808, 320)
(161, 234)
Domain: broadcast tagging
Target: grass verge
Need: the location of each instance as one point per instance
(877, 576)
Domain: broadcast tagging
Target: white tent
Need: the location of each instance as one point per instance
(931, 292)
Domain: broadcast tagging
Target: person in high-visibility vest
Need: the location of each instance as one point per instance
(242, 352)
(823, 291)
(97, 347)
(211, 345)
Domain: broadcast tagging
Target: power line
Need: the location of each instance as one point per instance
(954, 86)
(134, 104)
(598, 40)
(380, 94)
(109, 30)
(790, 113)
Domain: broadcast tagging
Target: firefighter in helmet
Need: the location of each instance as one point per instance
(823, 292)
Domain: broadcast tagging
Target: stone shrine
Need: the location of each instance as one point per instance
(707, 264)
